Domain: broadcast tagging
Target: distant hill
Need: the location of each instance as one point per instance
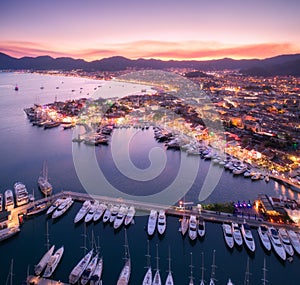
(279, 65)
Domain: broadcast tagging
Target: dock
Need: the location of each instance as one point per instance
(35, 280)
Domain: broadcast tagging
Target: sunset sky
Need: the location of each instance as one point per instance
(164, 29)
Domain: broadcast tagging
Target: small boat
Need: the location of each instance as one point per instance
(53, 262)
(161, 223)
(130, 215)
(114, 212)
(107, 214)
(294, 240)
(9, 203)
(43, 183)
(43, 262)
(148, 276)
(237, 236)
(201, 227)
(87, 273)
(228, 235)
(152, 222)
(126, 270)
(193, 227)
(213, 268)
(82, 211)
(63, 207)
(248, 237)
(9, 232)
(286, 242)
(99, 212)
(157, 278)
(169, 280)
(263, 235)
(37, 208)
(96, 276)
(184, 224)
(120, 217)
(256, 176)
(276, 243)
(80, 267)
(90, 214)
(54, 206)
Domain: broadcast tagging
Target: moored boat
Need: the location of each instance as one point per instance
(120, 216)
(152, 222)
(63, 207)
(263, 235)
(43, 262)
(21, 194)
(82, 211)
(228, 235)
(193, 227)
(126, 270)
(90, 214)
(8, 232)
(130, 215)
(184, 224)
(276, 243)
(37, 208)
(54, 206)
(248, 237)
(87, 273)
(157, 278)
(161, 222)
(148, 276)
(294, 240)
(96, 276)
(169, 280)
(114, 213)
(9, 203)
(107, 214)
(237, 236)
(53, 262)
(286, 242)
(43, 183)
(201, 227)
(99, 212)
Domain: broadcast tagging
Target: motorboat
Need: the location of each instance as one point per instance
(99, 212)
(87, 273)
(152, 222)
(9, 203)
(43, 262)
(53, 262)
(120, 216)
(247, 236)
(201, 227)
(161, 223)
(80, 267)
(193, 227)
(184, 224)
(286, 242)
(263, 235)
(237, 236)
(54, 206)
(228, 235)
(21, 194)
(63, 207)
(82, 211)
(107, 214)
(114, 212)
(276, 243)
(130, 215)
(96, 276)
(294, 240)
(90, 214)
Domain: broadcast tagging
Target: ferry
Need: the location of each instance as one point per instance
(9, 203)
(294, 240)
(21, 194)
(43, 262)
(228, 235)
(161, 223)
(237, 236)
(263, 235)
(193, 227)
(82, 211)
(63, 207)
(248, 237)
(99, 212)
(130, 215)
(80, 267)
(53, 262)
(286, 242)
(276, 243)
(87, 273)
(152, 222)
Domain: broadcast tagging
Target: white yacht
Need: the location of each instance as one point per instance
(294, 240)
(130, 215)
(54, 206)
(80, 267)
(276, 243)
(193, 227)
(228, 235)
(90, 214)
(201, 227)
(120, 216)
(107, 214)
(99, 212)
(161, 223)
(263, 235)
(148, 276)
(286, 242)
(248, 237)
(113, 213)
(237, 236)
(152, 222)
(184, 224)
(9, 203)
(96, 276)
(87, 273)
(21, 194)
(53, 262)
(63, 207)
(82, 211)
(43, 262)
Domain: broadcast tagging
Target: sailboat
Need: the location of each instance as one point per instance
(191, 266)
(43, 182)
(148, 276)
(202, 269)
(169, 280)
(157, 279)
(213, 268)
(126, 270)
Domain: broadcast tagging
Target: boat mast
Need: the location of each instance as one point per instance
(169, 259)
(191, 266)
(247, 274)
(126, 247)
(148, 255)
(157, 258)
(84, 239)
(47, 237)
(202, 267)
(10, 274)
(264, 280)
(213, 267)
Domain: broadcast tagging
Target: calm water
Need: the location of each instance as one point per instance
(24, 148)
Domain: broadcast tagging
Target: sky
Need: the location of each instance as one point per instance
(162, 29)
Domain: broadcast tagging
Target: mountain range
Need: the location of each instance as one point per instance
(279, 65)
